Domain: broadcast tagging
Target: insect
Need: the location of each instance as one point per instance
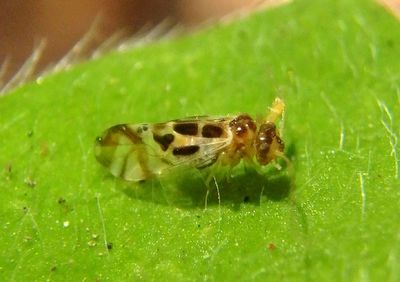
(137, 152)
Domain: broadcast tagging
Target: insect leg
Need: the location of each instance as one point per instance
(249, 162)
(211, 176)
(291, 174)
(289, 164)
(207, 181)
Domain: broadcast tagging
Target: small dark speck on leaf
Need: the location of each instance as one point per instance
(8, 168)
(30, 133)
(61, 200)
(109, 246)
(54, 268)
(271, 246)
(44, 150)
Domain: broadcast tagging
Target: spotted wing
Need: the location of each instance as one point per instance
(139, 151)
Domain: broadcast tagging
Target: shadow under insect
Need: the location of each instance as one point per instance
(189, 189)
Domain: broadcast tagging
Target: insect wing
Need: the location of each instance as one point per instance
(127, 151)
(139, 151)
(197, 142)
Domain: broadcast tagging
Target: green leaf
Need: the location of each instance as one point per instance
(335, 63)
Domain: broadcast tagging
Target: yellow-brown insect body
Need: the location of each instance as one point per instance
(137, 152)
(243, 130)
(265, 143)
(268, 143)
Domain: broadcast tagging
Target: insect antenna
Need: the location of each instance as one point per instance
(277, 110)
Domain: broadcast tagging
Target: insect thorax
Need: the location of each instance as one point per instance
(243, 130)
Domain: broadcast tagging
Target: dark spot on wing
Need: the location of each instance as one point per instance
(211, 131)
(142, 128)
(186, 128)
(164, 140)
(185, 150)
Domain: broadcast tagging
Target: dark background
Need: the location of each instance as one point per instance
(24, 23)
